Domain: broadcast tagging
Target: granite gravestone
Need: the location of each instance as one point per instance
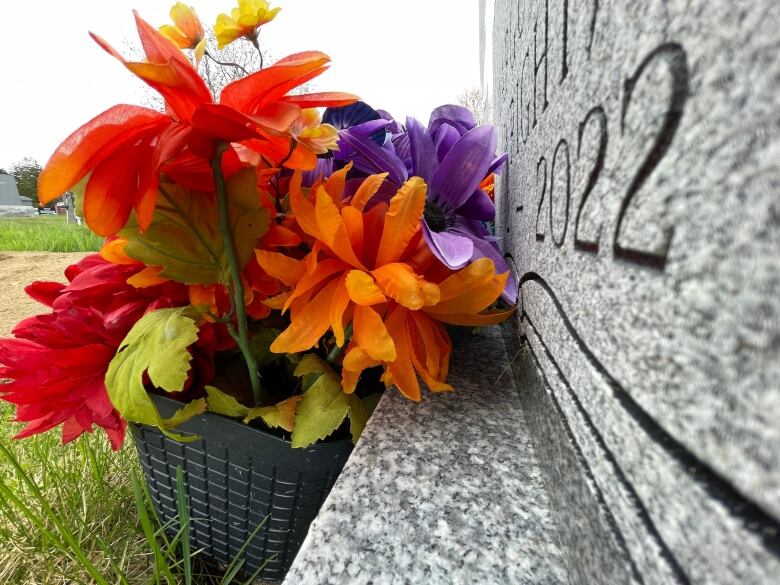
(641, 208)
(9, 194)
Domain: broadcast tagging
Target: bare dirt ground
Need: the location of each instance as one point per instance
(17, 270)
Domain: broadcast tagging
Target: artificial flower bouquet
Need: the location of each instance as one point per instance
(262, 259)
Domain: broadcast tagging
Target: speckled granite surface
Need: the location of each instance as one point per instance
(445, 491)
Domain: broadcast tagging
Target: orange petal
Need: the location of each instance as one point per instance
(251, 93)
(114, 251)
(315, 277)
(431, 350)
(331, 99)
(332, 229)
(349, 380)
(401, 371)
(478, 320)
(474, 300)
(308, 325)
(362, 289)
(279, 236)
(147, 277)
(353, 221)
(338, 306)
(277, 302)
(108, 197)
(303, 210)
(356, 359)
(335, 183)
(467, 279)
(402, 220)
(287, 270)
(367, 190)
(402, 284)
(91, 143)
(371, 335)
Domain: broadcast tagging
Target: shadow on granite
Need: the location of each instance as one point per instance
(445, 491)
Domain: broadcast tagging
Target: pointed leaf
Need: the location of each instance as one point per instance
(280, 415)
(320, 412)
(222, 403)
(156, 345)
(184, 236)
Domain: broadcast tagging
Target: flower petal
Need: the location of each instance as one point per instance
(452, 250)
(362, 289)
(371, 334)
(402, 220)
(288, 270)
(338, 307)
(403, 285)
(92, 143)
(424, 160)
(309, 324)
(332, 229)
(368, 188)
(463, 168)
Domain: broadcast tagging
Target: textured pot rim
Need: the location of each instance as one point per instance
(233, 434)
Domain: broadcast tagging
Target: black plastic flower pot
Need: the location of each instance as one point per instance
(235, 476)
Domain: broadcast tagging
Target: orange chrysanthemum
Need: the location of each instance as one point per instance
(371, 268)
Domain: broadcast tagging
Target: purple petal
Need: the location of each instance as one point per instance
(485, 246)
(422, 150)
(446, 138)
(366, 129)
(393, 127)
(453, 250)
(458, 116)
(402, 149)
(348, 116)
(496, 165)
(464, 167)
(478, 206)
(323, 168)
(374, 159)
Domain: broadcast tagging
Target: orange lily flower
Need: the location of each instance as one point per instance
(371, 267)
(124, 149)
(186, 31)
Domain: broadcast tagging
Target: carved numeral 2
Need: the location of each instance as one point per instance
(540, 235)
(678, 68)
(596, 113)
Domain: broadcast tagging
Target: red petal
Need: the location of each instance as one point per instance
(254, 91)
(329, 99)
(91, 143)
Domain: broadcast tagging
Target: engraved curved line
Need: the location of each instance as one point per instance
(644, 515)
(613, 525)
(752, 516)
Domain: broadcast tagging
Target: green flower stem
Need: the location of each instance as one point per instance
(242, 335)
(337, 349)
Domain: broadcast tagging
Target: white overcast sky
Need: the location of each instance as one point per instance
(405, 56)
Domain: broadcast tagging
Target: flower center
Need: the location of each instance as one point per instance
(434, 216)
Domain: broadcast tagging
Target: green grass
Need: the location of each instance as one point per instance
(79, 513)
(45, 233)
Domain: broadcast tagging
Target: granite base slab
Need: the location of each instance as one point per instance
(445, 491)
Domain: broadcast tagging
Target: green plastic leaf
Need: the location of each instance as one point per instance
(279, 415)
(320, 412)
(222, 403)
(156, 345)
(358, 417)
(186, 412)
(260, 345)
(324, 404)
(184, 236)
(311, 363)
